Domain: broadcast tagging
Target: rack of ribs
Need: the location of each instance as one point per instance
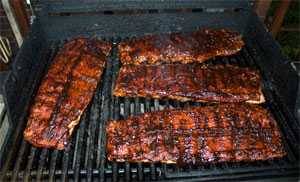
(65, 92)
(190, 82)
(196, 135)
(197, 46)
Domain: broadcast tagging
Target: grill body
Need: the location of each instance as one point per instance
(86, 157)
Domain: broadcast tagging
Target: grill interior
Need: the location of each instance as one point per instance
(85, 158)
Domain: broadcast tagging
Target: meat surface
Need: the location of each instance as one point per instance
(65, 92)
(216, 83)
(218, 133)
(197, 46)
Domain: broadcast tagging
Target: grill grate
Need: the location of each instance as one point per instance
(86, 157)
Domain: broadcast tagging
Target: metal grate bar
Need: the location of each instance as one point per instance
(19, 160)
(247, 57)
(115, 108)
(79, 147)
(158, 170)
(65, 166)
(29, 164)
(225, 60)
(91, 133)
(115, 171)
(115, 116)
(127, 171)
(105, 107)
(99, 136)
(53, 165)
(41, 164)
(126, 114)
(77, 140)
(241, 58)
(126, 107)
(152, 165)
(137, 110)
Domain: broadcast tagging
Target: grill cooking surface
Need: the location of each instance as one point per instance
(86, 154)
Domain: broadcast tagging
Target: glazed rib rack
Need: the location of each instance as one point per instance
(86, 155)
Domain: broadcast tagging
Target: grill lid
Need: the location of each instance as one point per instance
(110, 5)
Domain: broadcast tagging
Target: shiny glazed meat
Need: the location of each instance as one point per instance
(197, 46)
(65, 92)
(226, 132)
(194, 82)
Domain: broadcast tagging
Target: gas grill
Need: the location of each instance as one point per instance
(116, 20)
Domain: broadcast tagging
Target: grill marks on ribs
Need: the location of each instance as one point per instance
(190, 82)
(65, 92)
(226, 132)
(197, 46)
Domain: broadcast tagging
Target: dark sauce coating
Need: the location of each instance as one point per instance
(210, 134)
(197, 46)
(65, 92)
(194, 82)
